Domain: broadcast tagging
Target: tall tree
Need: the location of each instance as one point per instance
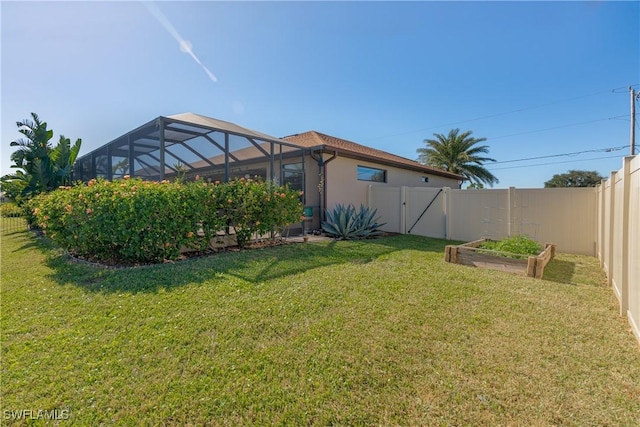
(41, 167)
(574, 178)
(458, 153)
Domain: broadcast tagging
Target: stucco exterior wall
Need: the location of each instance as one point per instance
(343, 185)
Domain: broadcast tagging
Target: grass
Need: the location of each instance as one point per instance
(378, 332)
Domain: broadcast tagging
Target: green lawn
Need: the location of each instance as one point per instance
(381, 332)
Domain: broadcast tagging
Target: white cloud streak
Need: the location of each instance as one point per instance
(185, 45)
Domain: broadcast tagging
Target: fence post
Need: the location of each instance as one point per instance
(600, 234)
(612, 220)
(624, 258)
(510, 209)
(447, 207)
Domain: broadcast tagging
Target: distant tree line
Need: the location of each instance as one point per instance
(574, 178)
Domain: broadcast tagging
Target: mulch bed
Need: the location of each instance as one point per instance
(118, 263)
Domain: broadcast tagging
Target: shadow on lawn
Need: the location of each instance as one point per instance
(253, 266)
(34, 242)
(560, 271)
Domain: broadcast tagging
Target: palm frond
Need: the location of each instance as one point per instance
(458, 153)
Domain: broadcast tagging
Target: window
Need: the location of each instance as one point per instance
(371, 174)
(293, 174)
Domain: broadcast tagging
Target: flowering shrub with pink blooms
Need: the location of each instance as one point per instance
(145, 221)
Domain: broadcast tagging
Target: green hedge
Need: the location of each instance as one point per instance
(146, 221)
(10, 210)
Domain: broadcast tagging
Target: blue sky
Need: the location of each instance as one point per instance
(536, 79)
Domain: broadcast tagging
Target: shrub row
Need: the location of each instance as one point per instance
(10, 210)
(145, 221)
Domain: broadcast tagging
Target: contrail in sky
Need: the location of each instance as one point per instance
(185, 45)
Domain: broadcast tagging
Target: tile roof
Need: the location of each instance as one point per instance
(313, 139)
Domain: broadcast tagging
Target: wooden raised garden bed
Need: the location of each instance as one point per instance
(471, 254)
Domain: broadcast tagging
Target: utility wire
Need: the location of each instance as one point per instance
(597, 150)
(553, 163)
(615, 90)
(624, 89)
(558, 127)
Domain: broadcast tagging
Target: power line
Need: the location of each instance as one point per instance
(559, 127)
(624, 89)
(518, 110)
(597, 150)
(554, 163)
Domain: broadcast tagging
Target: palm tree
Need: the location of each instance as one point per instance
(41, 167)
(63, 156)
(34, 146)
(457, 153)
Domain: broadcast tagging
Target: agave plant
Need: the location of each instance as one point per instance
(346, 223)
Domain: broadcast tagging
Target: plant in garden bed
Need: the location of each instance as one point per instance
(514, 246)
(345, 223)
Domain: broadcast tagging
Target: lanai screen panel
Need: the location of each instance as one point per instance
(101, 163)
(145, 147)
(210, 147)
(119, 151)
(248, 157)
(193, 148)
(82, 169)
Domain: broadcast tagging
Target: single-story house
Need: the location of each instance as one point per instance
(329, 170)
(340, 171)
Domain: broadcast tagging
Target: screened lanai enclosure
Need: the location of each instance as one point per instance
(189, 145)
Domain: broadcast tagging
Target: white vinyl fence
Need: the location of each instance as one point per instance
(619, 237)
(564, 216)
